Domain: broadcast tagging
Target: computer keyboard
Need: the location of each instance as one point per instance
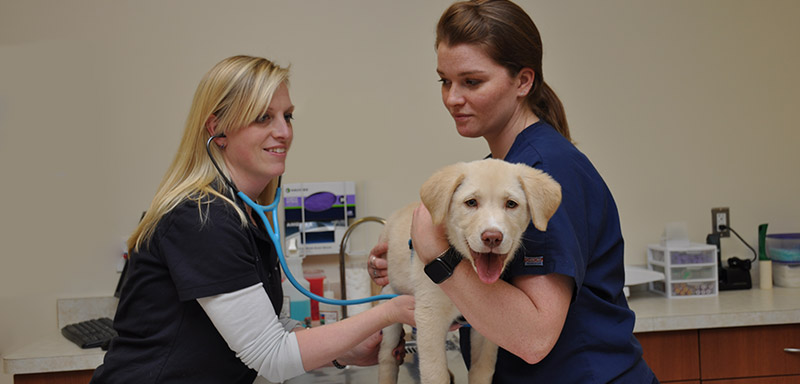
(90, 333)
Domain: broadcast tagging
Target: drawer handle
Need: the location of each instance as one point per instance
(792, 350)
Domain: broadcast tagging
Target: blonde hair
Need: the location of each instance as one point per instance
(236, 91)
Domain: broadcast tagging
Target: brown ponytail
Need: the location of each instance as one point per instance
(547, 106)
(509, 36)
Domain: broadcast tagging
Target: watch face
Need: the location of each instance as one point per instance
(438, 271)
(442, 267)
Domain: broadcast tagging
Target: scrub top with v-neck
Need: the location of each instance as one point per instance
(198, 250)
(584, 241)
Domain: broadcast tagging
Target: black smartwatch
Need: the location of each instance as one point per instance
(441, 268)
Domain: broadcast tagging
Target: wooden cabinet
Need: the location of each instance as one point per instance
(70, 377)
(673, 356)
(744, 355)
(758, 380)
(727, 353)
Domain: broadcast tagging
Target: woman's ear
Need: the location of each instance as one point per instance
(211, 124)
(525, 79)
(211, 127)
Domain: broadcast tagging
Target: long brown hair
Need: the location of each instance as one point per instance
(509, 37)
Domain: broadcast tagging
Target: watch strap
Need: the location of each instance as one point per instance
(441, 268)
(451, 257)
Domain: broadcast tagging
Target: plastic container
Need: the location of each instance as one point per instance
(299, 304)
(786, 274)
(316, 281)
(784, 247)
(332, 313)
(689, 271)
(765, 274)
(700, 288)
(692, 273)
(358, 284)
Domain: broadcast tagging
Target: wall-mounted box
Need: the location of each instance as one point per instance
(316, 215)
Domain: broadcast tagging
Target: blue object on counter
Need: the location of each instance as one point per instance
(784, 247)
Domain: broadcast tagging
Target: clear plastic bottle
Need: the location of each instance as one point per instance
(332, 313)
(299, 304)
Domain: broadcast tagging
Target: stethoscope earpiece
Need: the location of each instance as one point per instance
(214, 161)
(221, 146)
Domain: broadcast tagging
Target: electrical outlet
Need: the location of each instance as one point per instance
(721, 216)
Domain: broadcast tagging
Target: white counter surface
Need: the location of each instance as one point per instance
(653, 313)
(52, 353)
(729, 309)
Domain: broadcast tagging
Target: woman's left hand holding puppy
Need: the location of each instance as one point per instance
(377, 265)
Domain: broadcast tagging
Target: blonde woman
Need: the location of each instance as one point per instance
(201, 301)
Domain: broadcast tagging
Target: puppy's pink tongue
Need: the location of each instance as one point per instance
(489, 266)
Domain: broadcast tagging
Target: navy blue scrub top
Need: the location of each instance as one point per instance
(584, 241)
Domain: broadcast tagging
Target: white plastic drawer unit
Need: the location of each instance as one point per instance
(689, 271)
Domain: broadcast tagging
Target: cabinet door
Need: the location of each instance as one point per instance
(673, 356)
(69, 377)
(749, 351)
(758, 380)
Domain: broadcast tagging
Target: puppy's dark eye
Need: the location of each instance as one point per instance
(471, 203)
(511, 204)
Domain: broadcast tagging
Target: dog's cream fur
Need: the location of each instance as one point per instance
(486, 206)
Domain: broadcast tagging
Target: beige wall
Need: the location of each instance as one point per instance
(682, 106)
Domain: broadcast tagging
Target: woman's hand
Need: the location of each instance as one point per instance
(401, 310)
(377, 266)
(429, 241)
(397, 310)
(366, 353)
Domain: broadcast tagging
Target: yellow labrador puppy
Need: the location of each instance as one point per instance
(486, 206)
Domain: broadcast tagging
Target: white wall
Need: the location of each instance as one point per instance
(682, 106)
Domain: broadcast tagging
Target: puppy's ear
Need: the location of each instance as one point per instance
(543, 194)
(437, 192)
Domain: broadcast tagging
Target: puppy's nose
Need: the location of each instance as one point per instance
(491, 238)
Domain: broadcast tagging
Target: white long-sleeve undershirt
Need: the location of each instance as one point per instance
(248, 323)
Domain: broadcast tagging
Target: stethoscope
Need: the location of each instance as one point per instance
(275, 235)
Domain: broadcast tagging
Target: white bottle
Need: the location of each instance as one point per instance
(299, 304)
(765, 274)
(358, 284)
(332, 313)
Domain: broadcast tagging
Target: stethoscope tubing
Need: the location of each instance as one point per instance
(275, 236)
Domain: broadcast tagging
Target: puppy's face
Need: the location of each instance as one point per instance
(486, 206)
